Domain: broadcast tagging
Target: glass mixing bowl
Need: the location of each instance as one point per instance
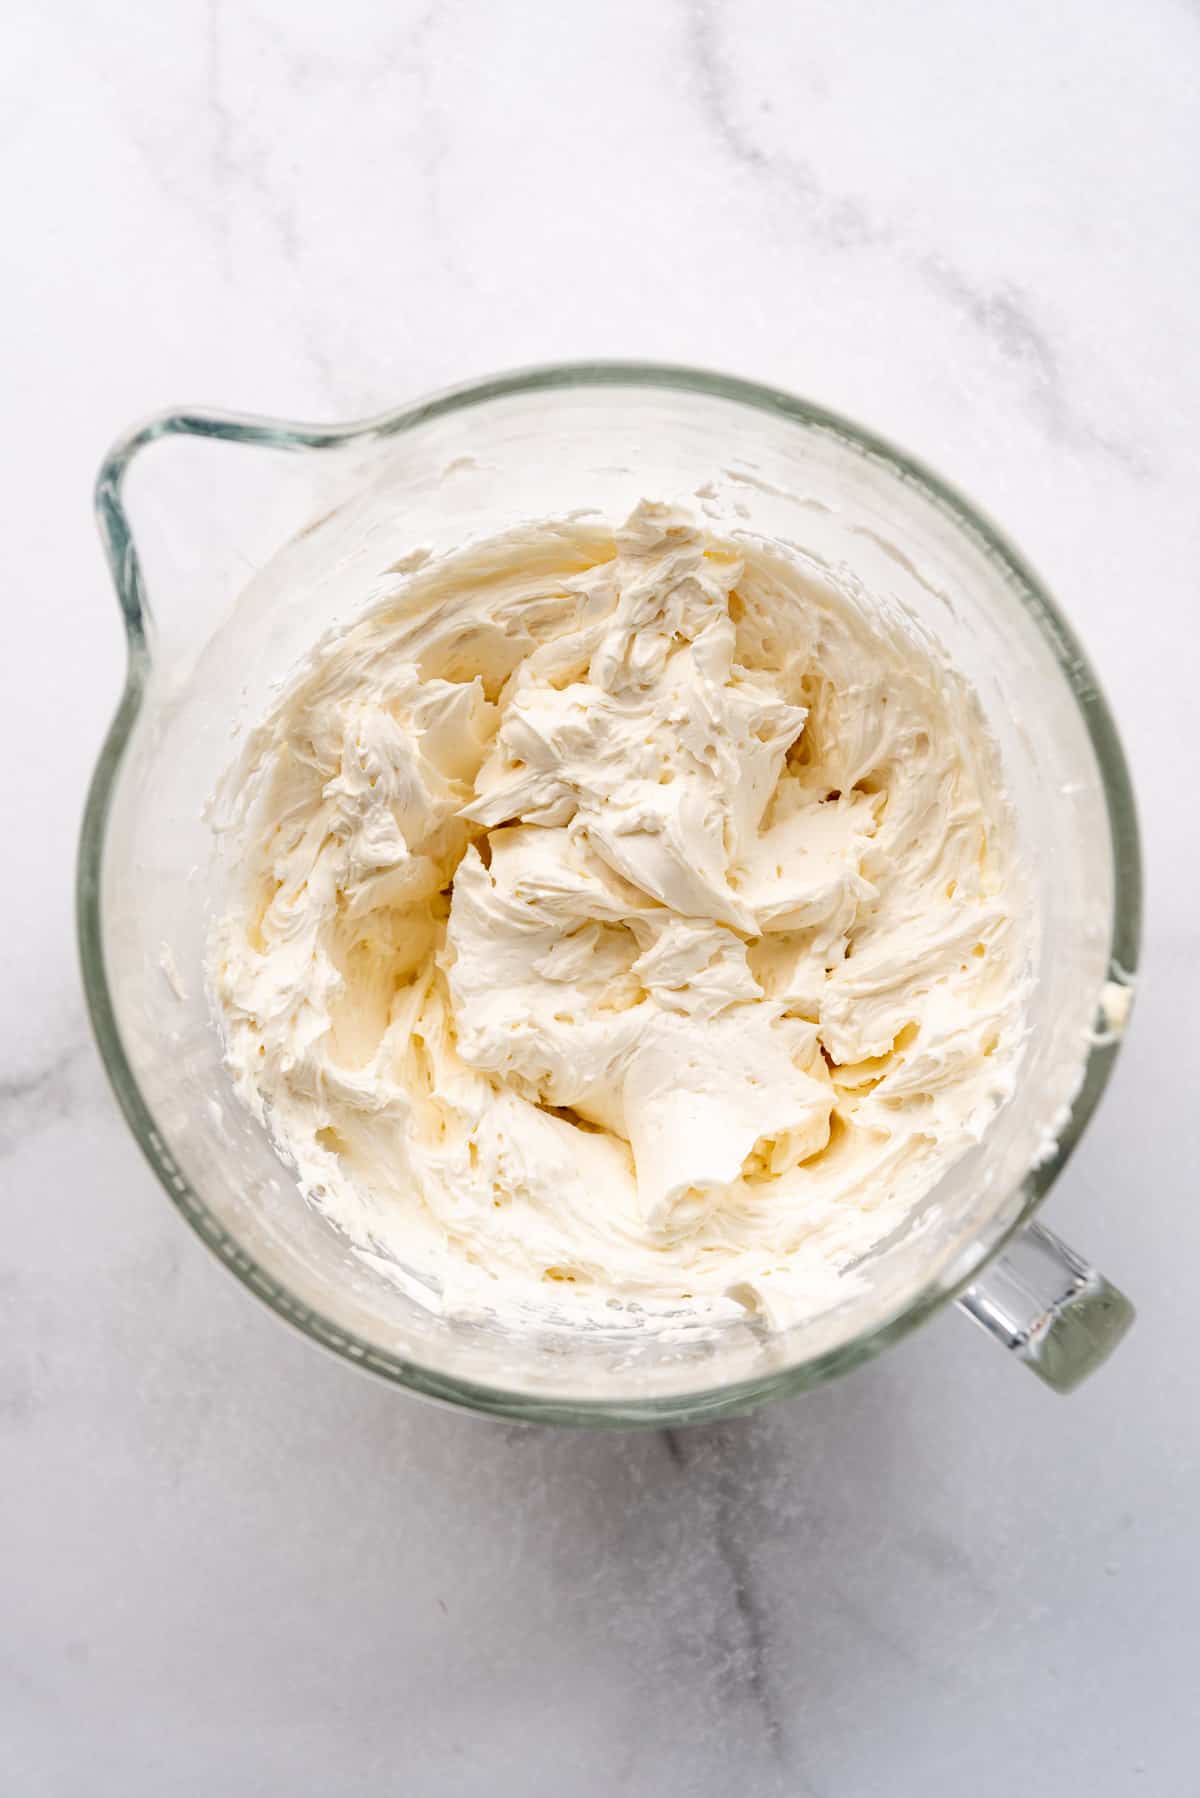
(194, 509)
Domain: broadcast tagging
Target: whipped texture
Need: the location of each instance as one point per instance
(622, 921)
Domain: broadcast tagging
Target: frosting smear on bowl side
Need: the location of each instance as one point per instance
(623, 917)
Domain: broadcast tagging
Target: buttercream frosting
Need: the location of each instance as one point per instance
(622, 919)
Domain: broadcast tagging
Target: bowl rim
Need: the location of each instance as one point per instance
(661, 1410)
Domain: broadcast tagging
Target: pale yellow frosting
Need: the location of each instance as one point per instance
(623, 918)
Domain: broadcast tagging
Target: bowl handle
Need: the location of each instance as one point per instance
(1057, 1314)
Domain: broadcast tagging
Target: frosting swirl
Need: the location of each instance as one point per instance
(623, 917)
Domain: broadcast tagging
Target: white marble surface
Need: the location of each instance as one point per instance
(230, 1564)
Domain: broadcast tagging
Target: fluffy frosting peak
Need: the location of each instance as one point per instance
(623, 917)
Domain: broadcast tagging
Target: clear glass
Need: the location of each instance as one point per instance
(209, 508)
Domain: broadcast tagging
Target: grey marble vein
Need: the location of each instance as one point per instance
(1001, 315)
(673, 1443)
(241, 163)
(220, 120)
(838, 220)
(434, 141)
(1006, 318)
(750, 1613)
(722, 1451)
(31, 1100)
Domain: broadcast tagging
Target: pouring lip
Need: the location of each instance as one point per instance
(300, 437)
